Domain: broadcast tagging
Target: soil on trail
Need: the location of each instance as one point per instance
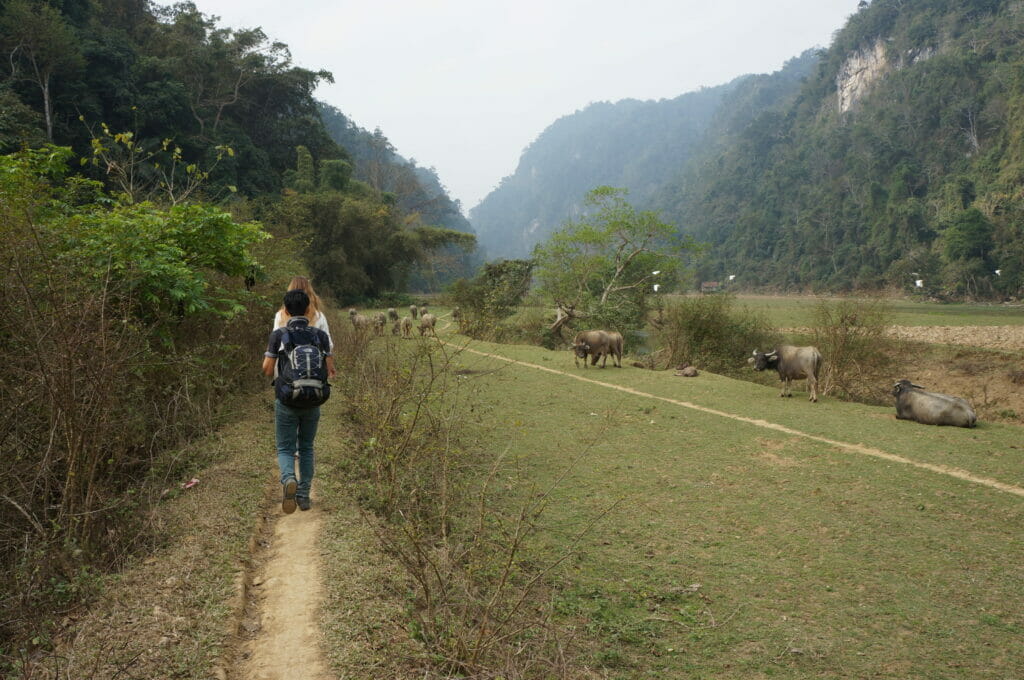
(282, 609)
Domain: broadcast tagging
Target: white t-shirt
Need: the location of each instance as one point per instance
(280, 321)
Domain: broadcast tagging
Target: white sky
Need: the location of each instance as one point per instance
(465, 85)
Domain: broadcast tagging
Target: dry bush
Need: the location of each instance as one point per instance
(859, 356)
(711, 334)
(479, 607)
(93, 403)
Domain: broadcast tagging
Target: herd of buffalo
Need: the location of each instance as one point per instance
(913, 402)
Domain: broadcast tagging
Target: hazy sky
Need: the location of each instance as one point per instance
(465, 85)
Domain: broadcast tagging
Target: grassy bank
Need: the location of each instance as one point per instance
(739, 551)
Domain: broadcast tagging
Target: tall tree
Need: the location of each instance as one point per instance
(604, 264)
(40, 43)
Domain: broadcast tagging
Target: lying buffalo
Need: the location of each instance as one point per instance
(597, 344)
(931, 408)
(792, 363)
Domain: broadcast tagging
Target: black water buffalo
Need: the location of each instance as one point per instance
(597, 344)
(931, 408)
(792, 363)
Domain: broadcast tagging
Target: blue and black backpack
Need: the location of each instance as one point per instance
(301, 370)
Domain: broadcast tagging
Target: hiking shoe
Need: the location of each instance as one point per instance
(304, 503)
(288, 502)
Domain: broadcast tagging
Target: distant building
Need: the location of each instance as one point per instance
(710, 286)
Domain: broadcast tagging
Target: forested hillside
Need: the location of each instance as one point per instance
(899, 162)
(636, 145)
(892, 159)
(631, 144)
(418, 192)
(162, 103)
(379, 164)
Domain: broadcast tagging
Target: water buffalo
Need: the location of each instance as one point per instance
(792, 363)
(931, 408)
(597, 344)
(427, 321)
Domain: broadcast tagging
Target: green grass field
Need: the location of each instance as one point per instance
(737, 551)
(791, 312)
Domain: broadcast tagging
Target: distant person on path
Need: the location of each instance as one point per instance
(317, 318)
(299, 357)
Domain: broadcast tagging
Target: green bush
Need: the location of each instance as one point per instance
(491, 296)
(104, 371)
(711, 334)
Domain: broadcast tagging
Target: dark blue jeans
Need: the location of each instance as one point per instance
(296, 429)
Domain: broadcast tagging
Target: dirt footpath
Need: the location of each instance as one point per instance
(285, 596)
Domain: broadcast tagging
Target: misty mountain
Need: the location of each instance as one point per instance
(633, 144)
(899, 161)
(892, 157)
(417, 190)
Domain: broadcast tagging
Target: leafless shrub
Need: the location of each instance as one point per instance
(858, 354)
(479, 606)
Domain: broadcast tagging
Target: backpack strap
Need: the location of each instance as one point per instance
(286, 340)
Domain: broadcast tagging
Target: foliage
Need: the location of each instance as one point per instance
(116, 346)
(41, 44)
(162, 259)
(492, 295)
(419, 196)
(359, 247)
(165, 73)
(603, 265)
(709, 332)
(920, 171)
(143, 171)
(858, 355)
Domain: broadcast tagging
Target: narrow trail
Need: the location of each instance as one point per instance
(846, 446)
(284, 598)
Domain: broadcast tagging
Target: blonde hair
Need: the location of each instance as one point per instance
(315, 305)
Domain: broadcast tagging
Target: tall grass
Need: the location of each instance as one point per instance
(477, 606)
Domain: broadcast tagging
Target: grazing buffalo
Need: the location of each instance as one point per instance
(792, 363)
(931, 408)
(427, 321)
(597, 344)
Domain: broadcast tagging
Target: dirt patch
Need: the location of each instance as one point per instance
(987, 337)
(770, 450)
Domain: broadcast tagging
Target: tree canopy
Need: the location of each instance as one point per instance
(604, 265)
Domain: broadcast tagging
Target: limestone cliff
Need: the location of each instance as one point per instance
(866, 66)
(859, 72)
